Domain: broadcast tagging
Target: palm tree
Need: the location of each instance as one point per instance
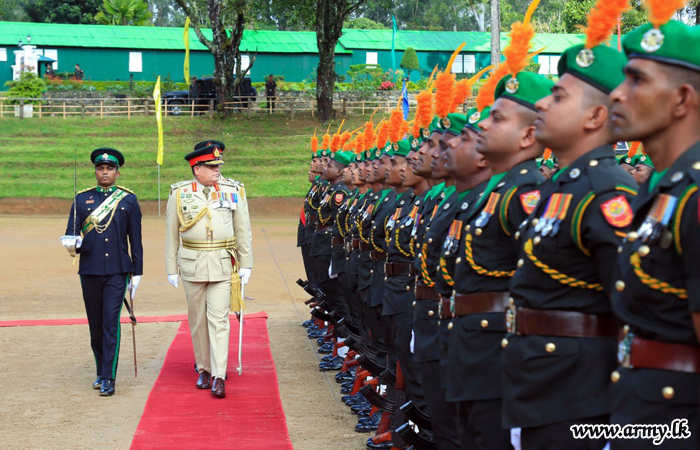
(124, 12)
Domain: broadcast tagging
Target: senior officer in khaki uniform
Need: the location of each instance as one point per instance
(210, 214)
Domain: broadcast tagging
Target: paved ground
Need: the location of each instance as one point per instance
(47, 371)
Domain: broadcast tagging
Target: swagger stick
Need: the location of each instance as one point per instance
(240, 335)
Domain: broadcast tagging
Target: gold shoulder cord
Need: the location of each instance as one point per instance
(102, 228)
(186, 225)
(555, 274)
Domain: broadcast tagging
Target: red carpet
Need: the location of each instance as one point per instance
(83, 321)
(178, 416)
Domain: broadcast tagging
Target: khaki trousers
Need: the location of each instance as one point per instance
(207, 309)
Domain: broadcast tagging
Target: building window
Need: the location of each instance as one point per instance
(3, 54)
(464, 64)
(548, 64)
(371, 58)
(245, 62)
(135, 63)
(53, 54)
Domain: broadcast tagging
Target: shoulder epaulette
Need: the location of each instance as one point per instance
(606, 178)
(126, 189)
(694, 172)
(526, 177)
(230, 182)
(179, 184)
(85, 190)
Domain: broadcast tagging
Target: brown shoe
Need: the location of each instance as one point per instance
(204, 381)
(219, 388)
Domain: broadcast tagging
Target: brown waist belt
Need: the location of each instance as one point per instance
(639, 353)
(560, 323)
(444, 308)
(483, 302)
(337, 240)
(355, 243)
(312, 218)
(392, 269)
(364, 247)
(424, 292)
(326, 227)
(377, 255)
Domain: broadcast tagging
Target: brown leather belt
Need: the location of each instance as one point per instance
(444, 308)
(482, 302)
(392, 269)
(355, 243)
(326, 227)
(560, 323)
(337, 240)
(377, 255)
(424, 292)
(639, 353)
(312, 218)
(364, 247)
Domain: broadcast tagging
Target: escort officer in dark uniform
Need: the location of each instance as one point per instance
(111, 258)
(313, 199)
(302, 239)
(657, 287)
(487, 259)
(557, 363)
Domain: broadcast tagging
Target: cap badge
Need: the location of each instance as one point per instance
(446, 123)
(585, 58)
(105, 156)
(414, 143)
(217, 153)
(652, 40)
(426, 133)
(377, 153)
(512, 85)
(396, 146)
(474, 118)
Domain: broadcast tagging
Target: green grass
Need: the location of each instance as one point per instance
(269, 153)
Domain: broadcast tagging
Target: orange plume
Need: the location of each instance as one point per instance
(395, 125)
(633, 148)
(462, 90)
(326, 141)
(602, 19)
(424, 112)
(403, 130)
(444, 87)
(487, 93)
(382, 134)
(369, 135)
(344, 138)
(314, 144)
(547, 153)
(448, 69)
(517, 53)
(335, 143)
(661, 11)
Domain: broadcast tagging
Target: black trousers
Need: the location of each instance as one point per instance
(400, 326)
(103, 297)
(443, 414)
(330, 286)
(308, 262)
(376, 329)
(480, 426)
(557, 436)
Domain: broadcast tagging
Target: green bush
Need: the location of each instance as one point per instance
(29, 85)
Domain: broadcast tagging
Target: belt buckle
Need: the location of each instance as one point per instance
(624, 350)
(452, 305)
(440, 308)
(511, 314)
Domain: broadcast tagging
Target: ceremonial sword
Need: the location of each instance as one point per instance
(134, 322)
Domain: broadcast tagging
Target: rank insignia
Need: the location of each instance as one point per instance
(512, 85)
(529, 201)
(617, 212)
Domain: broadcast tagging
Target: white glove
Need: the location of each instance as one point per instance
(331, 275)
(79, 242)
(173, 279)
(67, 241)
(515, 438)
(244, 273)
(133, 285)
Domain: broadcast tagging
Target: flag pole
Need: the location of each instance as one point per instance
(158, 189)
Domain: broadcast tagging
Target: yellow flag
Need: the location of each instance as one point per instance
(186, 37)
(159, 120)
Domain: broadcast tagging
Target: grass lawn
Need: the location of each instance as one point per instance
(269, 153)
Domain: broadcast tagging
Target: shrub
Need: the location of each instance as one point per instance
(29, 85)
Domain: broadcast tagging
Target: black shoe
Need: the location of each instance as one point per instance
(107, 388)
(326, 348)
(346, 389)
(384, 445)
(97, 383)
(308, 323)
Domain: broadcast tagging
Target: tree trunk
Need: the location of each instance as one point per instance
(325, 81)
(495, 32)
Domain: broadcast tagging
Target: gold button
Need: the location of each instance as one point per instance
(439, 322)
(520, 263)
(431, 313)
(374, 228)
(371, 271)
(632, 236)
(643, 250)
(615, 376)
(550, 347)
(386, 278)
(593, 163)
(626, 329)
(106, 254)
(484, 323)
(106, 239)
(619, 285)
(696, 166)
(430, 240)
(504, 343)
(523, 172)
(668, 392)
(450, 325)
(408, 288)
(420, 255)
(458, 260)
(421, 221)
(511, 301)
(467, 228)
(517, 235)
(537, 240)
(414, 303)
(619, 249)
(535, 221)
(478, 231)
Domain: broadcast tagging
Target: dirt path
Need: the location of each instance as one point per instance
(47, 371)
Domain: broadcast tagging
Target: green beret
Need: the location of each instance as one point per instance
(547, 163)
(601, 66)
(453, 123)
(403, 147)
(416, 142)
(435, 126)
(525, 88)
(645, 160)
(625, 160)
(342, 157)
(672, 43)
(107, 155)
(474, 117)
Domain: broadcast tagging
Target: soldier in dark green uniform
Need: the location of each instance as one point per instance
(560, 318)
(643, 168)
(657, 287)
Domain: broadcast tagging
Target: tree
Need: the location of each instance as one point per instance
(495, 32)
(166, 13)
(409, 61)
(576, 12)
(124, 12)
(12, 11)
(62, 11)
(363, 23)
(226, 18)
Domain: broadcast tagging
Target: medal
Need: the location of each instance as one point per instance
(554, 214)
(487, 212)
